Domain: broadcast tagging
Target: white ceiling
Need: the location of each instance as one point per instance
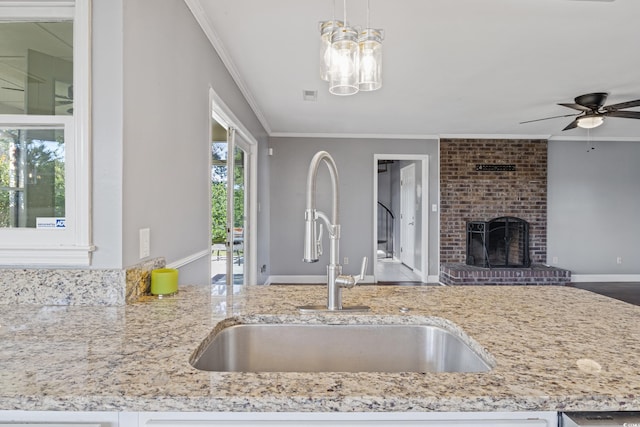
(450, 67)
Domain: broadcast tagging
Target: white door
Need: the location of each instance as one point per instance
(407, 215)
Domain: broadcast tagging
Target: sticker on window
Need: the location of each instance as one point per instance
(50, 223)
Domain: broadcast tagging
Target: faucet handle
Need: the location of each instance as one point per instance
(318, 242)
(350, 281)
(363, 268)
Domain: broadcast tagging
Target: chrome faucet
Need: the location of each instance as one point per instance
(313, 239)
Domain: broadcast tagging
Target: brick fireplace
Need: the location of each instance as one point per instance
(483, 179)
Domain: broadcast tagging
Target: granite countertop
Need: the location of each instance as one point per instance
(555, 348)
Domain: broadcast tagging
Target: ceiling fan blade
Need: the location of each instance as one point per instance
(623, 114)
(547, 118)
(13, 88)
(575, 106)
(572, 125)
(622, 105)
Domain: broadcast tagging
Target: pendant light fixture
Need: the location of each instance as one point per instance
(370, 54)
(350, 59)
(343, 77)
(326, 29)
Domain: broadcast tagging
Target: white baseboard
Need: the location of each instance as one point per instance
(305, 280)
(433, 279)
(189, 259)
(605, 278)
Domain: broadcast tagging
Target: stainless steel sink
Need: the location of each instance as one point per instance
(276, 347)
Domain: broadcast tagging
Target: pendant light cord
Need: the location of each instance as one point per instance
(333, 13)
(368, 26)
(345, 13)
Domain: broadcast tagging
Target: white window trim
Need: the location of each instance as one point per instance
(72, 246)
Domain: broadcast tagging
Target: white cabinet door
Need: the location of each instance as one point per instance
(58, 419)
(522, 419)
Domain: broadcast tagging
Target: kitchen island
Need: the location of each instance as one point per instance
(554, 349)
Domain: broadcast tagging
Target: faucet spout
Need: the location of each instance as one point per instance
(313, 238)
(323, 156)
(312, 245)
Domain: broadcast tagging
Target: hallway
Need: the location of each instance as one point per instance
(392, 270)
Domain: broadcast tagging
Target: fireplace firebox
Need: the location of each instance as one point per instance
(499, 243)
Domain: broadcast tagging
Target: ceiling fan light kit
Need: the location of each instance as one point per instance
(350, 58)
(590, 122)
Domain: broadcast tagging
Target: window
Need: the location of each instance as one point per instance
(44, 139)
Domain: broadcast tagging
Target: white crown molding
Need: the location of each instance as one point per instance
(201, 17)
(353, 135)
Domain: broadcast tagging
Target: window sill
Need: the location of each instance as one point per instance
(43, 256)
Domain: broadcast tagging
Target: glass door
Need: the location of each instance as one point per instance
(237, 203)
(219, 150)
(228, 207)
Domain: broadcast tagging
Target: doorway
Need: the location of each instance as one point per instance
(233, 201)
(400, 218)
(228, 203)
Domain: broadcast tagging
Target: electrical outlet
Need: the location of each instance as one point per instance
(346, 261)
(145, 242)
(619, 260)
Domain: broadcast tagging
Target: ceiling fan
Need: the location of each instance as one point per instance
(592, 111)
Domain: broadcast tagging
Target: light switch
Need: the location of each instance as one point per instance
(145, 242)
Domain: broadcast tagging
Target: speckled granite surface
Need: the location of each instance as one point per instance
(56, 286)
(547, 343)
(62, 287)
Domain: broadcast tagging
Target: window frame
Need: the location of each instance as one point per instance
(71, 246)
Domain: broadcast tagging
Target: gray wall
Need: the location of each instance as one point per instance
(354, 158)
(151, 112)
(593, 206)
(107, 132)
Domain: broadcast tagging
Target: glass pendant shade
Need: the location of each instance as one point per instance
(370, 55)
(326, 29)
(590, 122)
(344, 74)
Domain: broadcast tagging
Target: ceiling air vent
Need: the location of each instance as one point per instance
(310, 95)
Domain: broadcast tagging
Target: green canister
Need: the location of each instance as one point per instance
(164, 281)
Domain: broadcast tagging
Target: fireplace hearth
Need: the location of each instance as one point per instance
(499, 243)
